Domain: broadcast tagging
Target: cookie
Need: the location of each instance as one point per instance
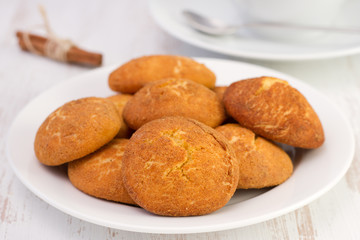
(176, 166)
(273, 109)
(262, 163)
(134, 74)
(76, 129)
(99, 174)
(174, 97)
(119, 101)
(220, 90)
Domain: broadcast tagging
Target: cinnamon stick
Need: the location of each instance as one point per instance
(74, 55)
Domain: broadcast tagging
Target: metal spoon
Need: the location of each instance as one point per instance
(217, 27)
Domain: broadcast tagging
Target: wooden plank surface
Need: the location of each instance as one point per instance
(122, 30)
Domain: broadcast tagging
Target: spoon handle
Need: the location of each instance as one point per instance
(302, 27)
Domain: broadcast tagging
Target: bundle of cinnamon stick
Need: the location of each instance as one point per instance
(73, 55)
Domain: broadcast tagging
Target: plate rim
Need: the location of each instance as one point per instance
(245, 54)
(174, 230)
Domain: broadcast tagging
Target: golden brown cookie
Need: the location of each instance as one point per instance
(273, 109)
(99, 174)
(174, 97)
(76, 129)
(119, 101)
(262, 163)
(220, 90)
(134, 74)
(176, 166)
(220, 94)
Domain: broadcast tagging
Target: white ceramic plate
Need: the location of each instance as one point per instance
(315, 173)
(327, 45)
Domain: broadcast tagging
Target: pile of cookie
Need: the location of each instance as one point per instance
(173, 143)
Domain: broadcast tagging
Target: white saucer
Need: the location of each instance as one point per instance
(328, 45)
(315, 172)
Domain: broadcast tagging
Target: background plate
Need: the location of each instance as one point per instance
(326, 45)
(314, 174)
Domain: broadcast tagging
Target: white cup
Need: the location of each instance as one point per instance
(297, 12)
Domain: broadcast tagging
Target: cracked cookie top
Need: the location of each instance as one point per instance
(76, 129)
(177, 166)
(99, 174)
(262, 163)
(273, 109)
(135, 74)
(174, 97)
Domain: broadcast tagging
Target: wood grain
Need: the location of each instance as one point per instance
(123, 30)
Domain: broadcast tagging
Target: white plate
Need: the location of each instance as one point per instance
(168, 15)
(314, 174)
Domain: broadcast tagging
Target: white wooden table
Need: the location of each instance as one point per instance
(122, 30)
